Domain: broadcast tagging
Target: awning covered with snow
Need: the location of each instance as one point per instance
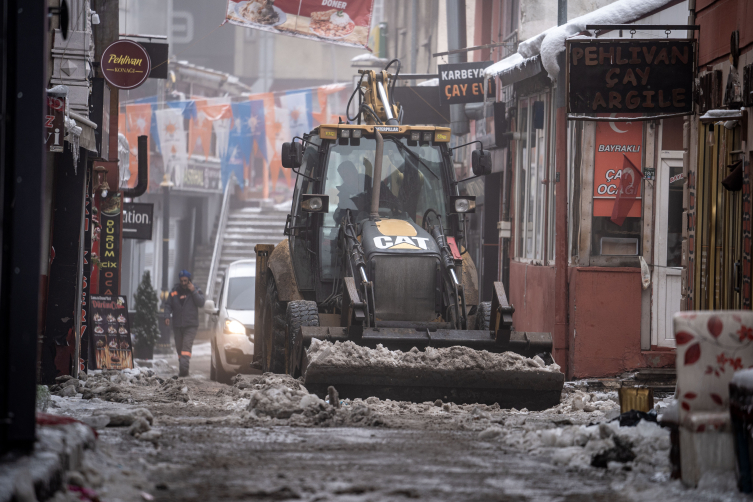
(717, 115)
(525, 69)
(550, 43)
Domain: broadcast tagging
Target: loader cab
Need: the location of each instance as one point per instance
(417, 176)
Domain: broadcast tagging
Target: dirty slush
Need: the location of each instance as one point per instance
(266, 437)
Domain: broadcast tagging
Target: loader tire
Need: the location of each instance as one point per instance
(484, 316)
(299, 313)
(273, 335)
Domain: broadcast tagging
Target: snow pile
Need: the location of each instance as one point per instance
(282, 400)
(105, 384)
(643, 448)
(551, 42)
(606, 403)
(123, 386)
(350, 355)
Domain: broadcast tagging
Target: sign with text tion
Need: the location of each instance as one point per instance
(137, 220)
(463, 83)
(125, 64)
(613, 140)
(630, 76)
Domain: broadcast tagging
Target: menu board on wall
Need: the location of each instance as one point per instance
(111, 333)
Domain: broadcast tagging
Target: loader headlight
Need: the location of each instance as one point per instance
(427, 136)
(415, 136)
(345, 133)
(315, 203)
(463, 204)
(357, 133)
(234, 327)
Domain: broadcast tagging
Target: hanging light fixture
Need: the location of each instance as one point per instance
(101, 181)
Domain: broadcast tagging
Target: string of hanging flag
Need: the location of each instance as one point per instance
(233, 130)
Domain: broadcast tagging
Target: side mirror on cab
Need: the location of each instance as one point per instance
(210, 308)
(481, 162)
(292, 155)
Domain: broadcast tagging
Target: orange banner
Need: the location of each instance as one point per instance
(138, 123)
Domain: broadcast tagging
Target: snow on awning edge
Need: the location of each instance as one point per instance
(550, 43)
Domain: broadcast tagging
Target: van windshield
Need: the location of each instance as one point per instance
(241, 293)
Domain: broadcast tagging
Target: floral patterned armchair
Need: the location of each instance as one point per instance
(711, 346)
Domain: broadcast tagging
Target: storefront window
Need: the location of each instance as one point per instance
(533, 171)
(616, 226)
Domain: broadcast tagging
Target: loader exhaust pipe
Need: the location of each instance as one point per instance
(377, 178)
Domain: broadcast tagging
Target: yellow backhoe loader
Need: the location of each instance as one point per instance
(375, 253)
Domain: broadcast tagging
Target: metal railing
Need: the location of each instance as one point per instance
(220, 238)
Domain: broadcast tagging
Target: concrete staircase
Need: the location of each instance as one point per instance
(202, 262)
(247, 227)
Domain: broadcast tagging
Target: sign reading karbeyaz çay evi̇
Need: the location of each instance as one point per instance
(463, 83)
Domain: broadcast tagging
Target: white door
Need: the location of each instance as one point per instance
(666, 281)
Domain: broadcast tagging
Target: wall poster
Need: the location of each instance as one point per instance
(112, 332)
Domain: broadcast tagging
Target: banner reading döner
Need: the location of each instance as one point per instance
(342, 22)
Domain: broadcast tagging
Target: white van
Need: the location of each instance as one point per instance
(233, 322)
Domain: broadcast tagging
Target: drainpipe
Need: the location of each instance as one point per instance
(414, 36)
(143, 175)
(561, 286)
(691, 18)
(456, 39)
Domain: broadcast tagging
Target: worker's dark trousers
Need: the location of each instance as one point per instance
(184, 338)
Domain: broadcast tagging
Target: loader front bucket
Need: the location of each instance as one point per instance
(525, 385)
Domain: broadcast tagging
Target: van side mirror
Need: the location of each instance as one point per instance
(210, 308)
(292, 155)
(481, 162)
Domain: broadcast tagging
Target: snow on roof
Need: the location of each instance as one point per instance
(551, 43)
(367, 57)
(504, 65)
(712, 115)
(432, 82)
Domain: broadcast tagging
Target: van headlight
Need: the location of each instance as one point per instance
(234, 327)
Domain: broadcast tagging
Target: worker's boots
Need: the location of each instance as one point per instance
(184, 361)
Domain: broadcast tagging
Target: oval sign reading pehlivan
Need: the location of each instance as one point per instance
(125, 64)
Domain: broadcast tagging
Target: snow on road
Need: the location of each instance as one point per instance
(267, 438)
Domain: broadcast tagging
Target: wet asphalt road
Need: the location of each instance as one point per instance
(199, 462)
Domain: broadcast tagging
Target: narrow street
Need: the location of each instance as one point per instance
(209, 448)
(376, 250)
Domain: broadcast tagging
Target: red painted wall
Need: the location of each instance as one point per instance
(532, 295)
(604, 337)
(718, 19)
(605, 321)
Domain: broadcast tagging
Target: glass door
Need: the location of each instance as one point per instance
(667, 269)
